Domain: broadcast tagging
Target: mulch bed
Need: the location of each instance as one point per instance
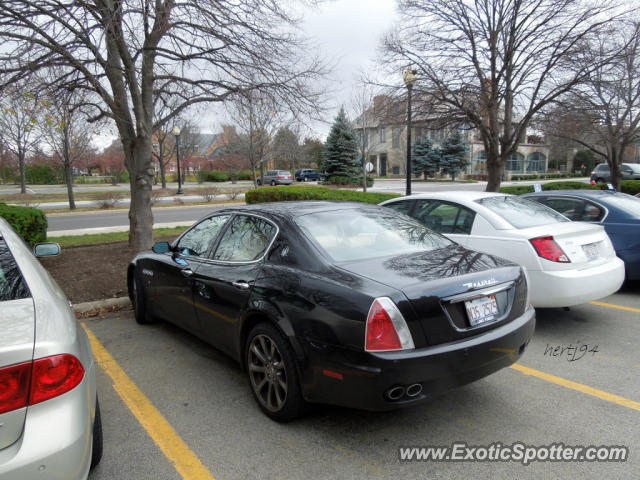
(94, 272)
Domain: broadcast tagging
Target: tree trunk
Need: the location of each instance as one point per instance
(163, 175)
(614, 168)
(495, 170)
(68, 171)
(138, 159)
(23, 185)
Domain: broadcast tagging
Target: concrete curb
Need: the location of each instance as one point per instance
(108, 304)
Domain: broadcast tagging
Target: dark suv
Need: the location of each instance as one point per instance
(306, 174)
(602, 174)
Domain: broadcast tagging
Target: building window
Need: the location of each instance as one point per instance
(395, 138)
(383, 134)
(536, 162)
(515, 164)
(479, 163)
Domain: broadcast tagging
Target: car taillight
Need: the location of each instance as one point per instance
(14, 386)
(53, 376)
(281, 177)
(546, 247)
(386, 328)
(34, 382)
(593, 182)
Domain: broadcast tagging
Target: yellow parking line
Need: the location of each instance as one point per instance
(609, 397)
(619, 307)
(187, 464)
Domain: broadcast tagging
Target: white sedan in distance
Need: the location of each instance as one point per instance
(568, 263)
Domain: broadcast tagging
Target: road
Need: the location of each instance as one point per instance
(65, 224)
(195, 413)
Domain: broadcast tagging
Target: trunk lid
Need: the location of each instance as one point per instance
(17, 324)
(438, 283)
(585, 244)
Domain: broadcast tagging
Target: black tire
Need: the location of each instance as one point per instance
(258, 182)
(272, 372)
(139, 300)
(306, 179)
(273, 183)
(96, 450)
(600, 180)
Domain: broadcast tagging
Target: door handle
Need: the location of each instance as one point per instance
(186, 272)
(241, 285)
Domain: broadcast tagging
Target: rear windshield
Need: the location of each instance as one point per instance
(625, 202)
(521, 213)
(12, 284)
(355, 234)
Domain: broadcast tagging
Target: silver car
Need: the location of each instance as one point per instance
(49, 414)
(277, 177)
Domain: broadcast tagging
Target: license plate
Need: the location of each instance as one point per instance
(591, 250)
(481, 310)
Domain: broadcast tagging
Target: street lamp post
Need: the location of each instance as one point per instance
(176, 133)
(410, 76)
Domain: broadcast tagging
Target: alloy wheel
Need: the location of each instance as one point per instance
(267, 372)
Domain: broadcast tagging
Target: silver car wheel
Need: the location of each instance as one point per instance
(267, 373)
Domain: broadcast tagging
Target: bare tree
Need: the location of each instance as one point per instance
(65, 129)
(130, 51)
(603, 113)
(367, 121)
(498, 62)
(257, 117)
(21, 110)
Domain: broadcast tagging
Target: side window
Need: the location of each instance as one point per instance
(445, 217)
(402, 207)
(245, 240)
(12, 284)
(569, 207)
(592, 212)
(196, 242)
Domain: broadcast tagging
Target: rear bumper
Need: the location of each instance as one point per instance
(366, 377)
(565, 288)
(57, 438)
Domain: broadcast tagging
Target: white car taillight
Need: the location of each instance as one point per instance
(547, 248)
(386, 328)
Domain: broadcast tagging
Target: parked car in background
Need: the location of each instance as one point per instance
(568, 263)
(340, 303)
(276, 177)
(50, 423)
(602, 173)
(618, 213)
(307, 174)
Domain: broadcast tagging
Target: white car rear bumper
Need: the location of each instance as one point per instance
(565, 288)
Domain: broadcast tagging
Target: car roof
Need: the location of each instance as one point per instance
(297, 208)
(454, 195)
(594, 194)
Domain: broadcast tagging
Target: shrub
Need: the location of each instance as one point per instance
(218, 176)
(287, 193)
(108, 199)
(30, 223)
(209, 193)
(233, 193)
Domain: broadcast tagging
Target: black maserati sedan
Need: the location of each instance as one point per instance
(340, 303)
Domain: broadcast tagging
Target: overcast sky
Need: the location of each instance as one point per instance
(348, 31)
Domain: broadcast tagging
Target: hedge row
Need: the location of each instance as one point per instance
(627, 186)
(287, 193)
(30, 223)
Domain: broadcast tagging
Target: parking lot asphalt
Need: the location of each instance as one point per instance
(175, 408)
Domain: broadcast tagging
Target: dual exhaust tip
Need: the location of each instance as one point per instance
(411, 391)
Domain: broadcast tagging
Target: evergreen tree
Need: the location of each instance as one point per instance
(454, 155)
(341, 149)
(425, 159)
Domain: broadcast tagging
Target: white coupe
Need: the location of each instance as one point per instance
(568, 263)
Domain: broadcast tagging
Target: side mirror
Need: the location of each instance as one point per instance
(161, 247)
(48, 249)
